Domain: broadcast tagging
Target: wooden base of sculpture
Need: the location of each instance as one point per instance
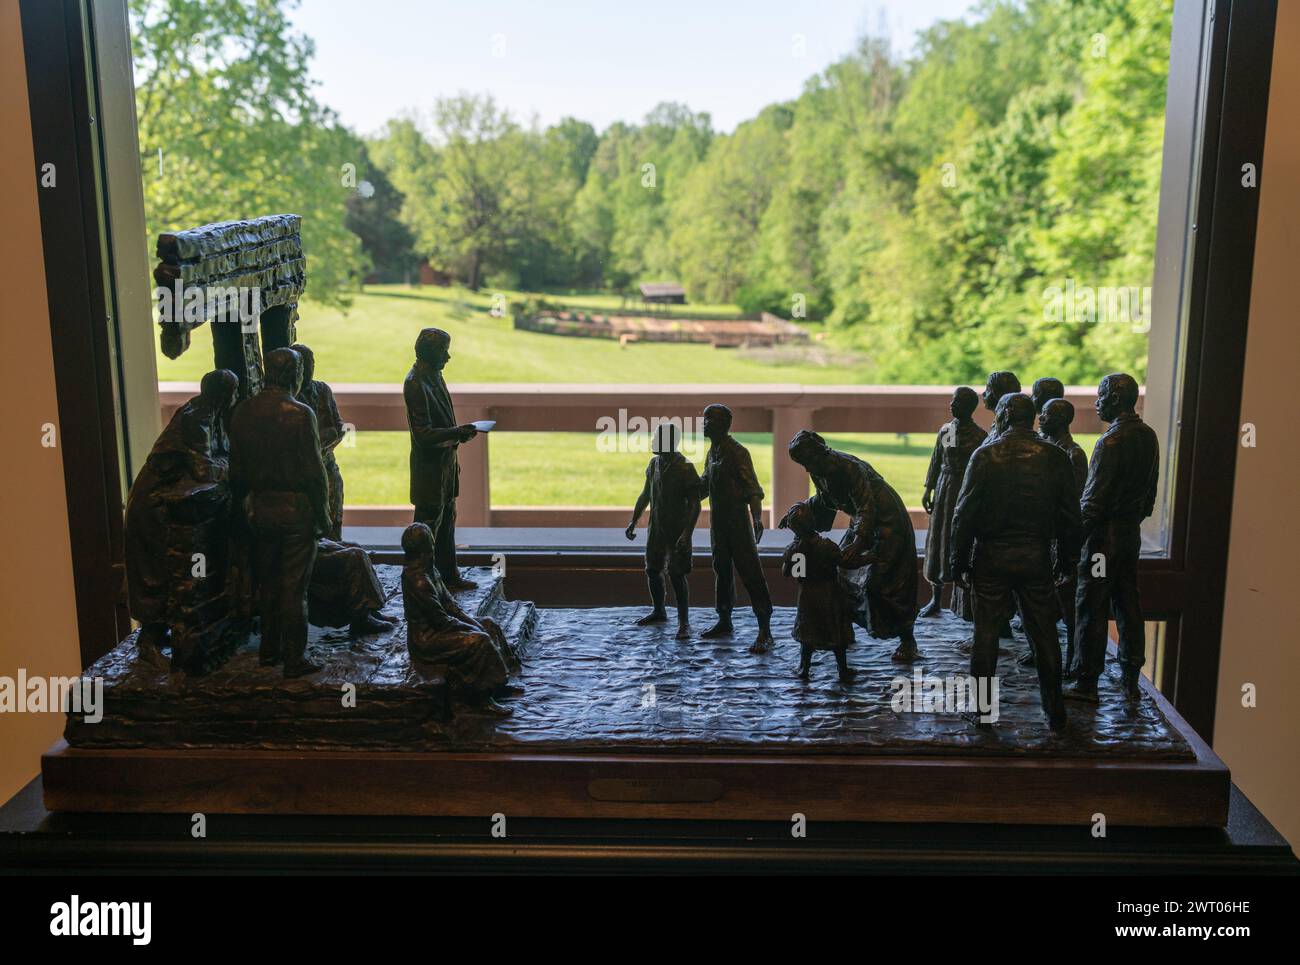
(822, 788)
(621, 721)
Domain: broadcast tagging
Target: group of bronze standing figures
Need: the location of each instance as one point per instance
(1020, 521)
(239, 509)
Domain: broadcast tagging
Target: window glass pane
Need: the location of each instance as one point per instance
(770, 196)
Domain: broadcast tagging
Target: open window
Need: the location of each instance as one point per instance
(98, 115)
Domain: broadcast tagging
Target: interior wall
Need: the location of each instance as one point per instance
(1261, 631)
(39, 631)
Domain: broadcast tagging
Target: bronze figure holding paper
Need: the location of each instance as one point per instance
(435, 436)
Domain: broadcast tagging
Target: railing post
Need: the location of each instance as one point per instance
(474, 505)
(789, 479)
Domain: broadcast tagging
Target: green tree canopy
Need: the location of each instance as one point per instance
(229, 128)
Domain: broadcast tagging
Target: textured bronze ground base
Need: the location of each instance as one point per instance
(621, 721)
(962, 789)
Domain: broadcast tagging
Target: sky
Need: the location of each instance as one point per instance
(598, 60)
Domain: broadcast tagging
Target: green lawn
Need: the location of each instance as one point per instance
(566, 469)
(373, 342)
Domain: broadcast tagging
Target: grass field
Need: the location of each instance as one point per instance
(373, 342)
(566, 469)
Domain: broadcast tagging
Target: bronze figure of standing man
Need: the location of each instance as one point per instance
(1054, 420)
(1016, 500)
(277, 473)
(319, 397)
(735, 527)
(1119, 494)
(435, 472)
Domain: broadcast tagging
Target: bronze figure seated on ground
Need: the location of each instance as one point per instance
(474, 651)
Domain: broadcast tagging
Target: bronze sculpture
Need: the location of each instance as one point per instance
(277, 474)
(1046, 390)
(593, 691)
(672, 491)
(474, 652)
(319, 397)
(1054, 420)
(879, 546)
(179, 504)
(345, 590)
(824, 620)
(1017, 499)
(435, 435)
(735, 527)
(998, 384)
(952, 451)
(1119, 493)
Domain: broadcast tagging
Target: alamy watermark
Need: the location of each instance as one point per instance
(961, 693)
(195, 304)
(52, 695)
(637, 433)
(127, 919)
(1084, 305)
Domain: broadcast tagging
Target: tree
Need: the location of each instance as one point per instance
(716, 215)
(374, 216)
(229, 128)
(481, 152)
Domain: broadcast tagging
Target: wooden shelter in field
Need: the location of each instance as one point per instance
(663, 293)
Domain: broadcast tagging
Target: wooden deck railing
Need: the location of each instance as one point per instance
(556, 407)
